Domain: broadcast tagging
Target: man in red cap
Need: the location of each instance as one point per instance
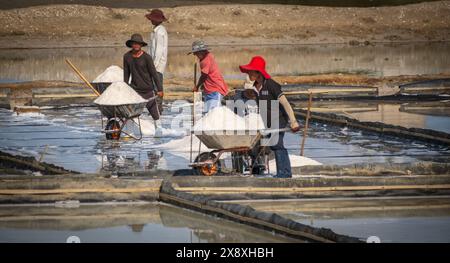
(268, 93)
(158, 41)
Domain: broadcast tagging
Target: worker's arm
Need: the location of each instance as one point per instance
(200, 82)
(153, 73)
(290, 112)
(126, 71)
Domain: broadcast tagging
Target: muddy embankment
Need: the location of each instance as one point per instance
(80, 25)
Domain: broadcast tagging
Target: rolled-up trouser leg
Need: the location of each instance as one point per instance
(281, 158)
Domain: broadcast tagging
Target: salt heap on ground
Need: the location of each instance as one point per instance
(223, 119)
(296, 161)
(111, 74)
(119, 93)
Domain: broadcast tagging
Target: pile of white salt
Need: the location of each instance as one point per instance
(119, 93)
(111, 74)
(224, 119)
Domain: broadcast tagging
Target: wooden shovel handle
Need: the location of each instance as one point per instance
(81, 76)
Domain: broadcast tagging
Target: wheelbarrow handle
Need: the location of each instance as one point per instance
(152, 98)
(270, 131)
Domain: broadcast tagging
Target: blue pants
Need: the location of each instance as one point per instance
(281, 158)
(212, 100)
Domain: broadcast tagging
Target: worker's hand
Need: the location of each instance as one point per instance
(295, 127)
(160, 94)
(195, 89)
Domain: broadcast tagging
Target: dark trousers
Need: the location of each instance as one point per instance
(281, 158)
(154, 107)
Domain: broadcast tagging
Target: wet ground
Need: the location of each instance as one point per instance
(433, 115)
(72, 138)
(391, 219)
(378, 60)
(122, 223)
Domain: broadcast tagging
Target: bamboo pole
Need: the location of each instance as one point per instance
(305, 129)
(81, 76)
(193, 109)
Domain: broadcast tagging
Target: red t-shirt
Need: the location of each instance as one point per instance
(214, 82)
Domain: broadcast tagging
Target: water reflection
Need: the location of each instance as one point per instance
(379, 60)
(433, 115)
(391, 219)
(116, 162)
(123, 223)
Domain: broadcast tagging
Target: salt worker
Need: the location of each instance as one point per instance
(211, 79)
(139, 65)
(158, 41)
(265, 91)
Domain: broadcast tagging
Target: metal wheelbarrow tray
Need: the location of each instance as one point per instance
(229, 139)
(118, 116)
(239, 141)
(122, 111)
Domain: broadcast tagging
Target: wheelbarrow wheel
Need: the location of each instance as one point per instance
(113, 125)
(210, 169)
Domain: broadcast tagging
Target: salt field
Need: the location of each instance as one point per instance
(389, 205)
(75, 141)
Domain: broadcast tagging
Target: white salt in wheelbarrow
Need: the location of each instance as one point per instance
(239, 143)
(118, 116)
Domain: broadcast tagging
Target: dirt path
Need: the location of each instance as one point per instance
(79, 25)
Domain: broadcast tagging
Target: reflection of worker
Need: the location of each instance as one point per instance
(138, 65)
(265, 90)
(214, 87)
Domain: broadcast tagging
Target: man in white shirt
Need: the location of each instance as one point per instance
(158, 41)
(158, 49)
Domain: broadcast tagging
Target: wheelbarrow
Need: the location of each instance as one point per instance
(239, 143)
(117, 116)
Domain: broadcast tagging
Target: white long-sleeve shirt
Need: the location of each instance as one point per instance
(158, 47)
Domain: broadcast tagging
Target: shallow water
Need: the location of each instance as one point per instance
(378, 60)
(391, 219)
(123, 223)
(75, 141)
(433, 115)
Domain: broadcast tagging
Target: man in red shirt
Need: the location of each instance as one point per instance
(214, 87)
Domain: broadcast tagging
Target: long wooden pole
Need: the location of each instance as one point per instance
(81, 76)
(193, 108)
(305, 129)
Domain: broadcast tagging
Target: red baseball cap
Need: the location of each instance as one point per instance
(256, 63)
